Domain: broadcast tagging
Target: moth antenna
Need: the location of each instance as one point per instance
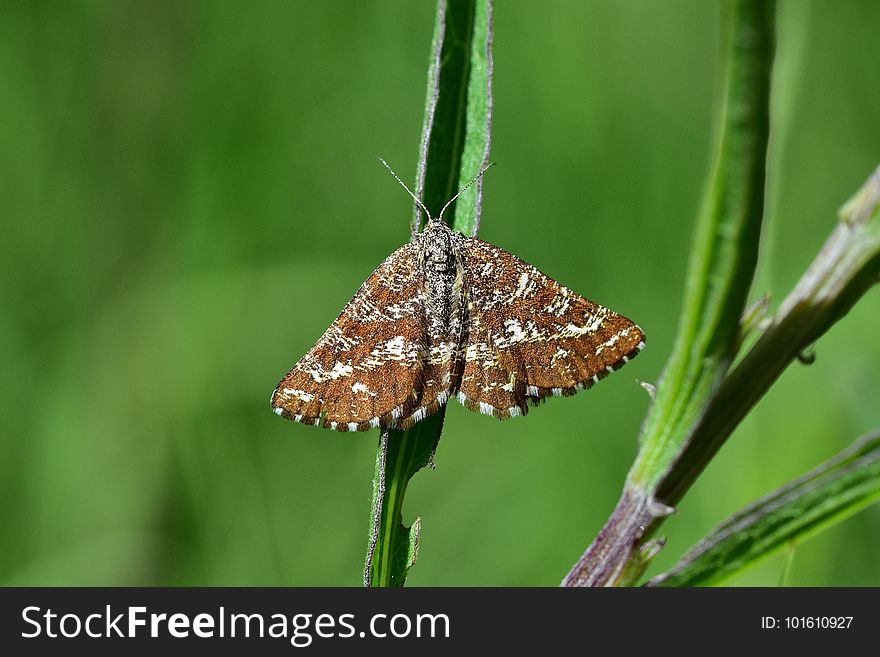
(408, 190)
(462, 190)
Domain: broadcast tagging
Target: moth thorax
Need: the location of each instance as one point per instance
(440, 269)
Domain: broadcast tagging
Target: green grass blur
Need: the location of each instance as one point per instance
(190, 195)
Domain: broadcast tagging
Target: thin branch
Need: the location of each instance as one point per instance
(723, 259)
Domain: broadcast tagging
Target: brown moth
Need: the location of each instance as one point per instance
(452, 316)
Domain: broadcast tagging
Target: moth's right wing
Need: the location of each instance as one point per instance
(364, 371)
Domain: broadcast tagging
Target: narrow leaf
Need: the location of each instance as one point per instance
(790, 515)
(723, 258)
(455, 135)
(724, 252)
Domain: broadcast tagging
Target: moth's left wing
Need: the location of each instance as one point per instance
(530, 337)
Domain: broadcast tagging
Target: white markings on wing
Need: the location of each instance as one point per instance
(302, 395)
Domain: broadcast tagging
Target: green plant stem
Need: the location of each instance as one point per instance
(393, 548)
(788, 516)
(845, 268)
(456, 135)
(723, 259)
(724, 253)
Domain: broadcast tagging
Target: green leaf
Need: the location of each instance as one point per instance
(790, 515)
(394, 548)
(724, 254)
(724, 251)
(456, 132)
(846, 267)
(454, 147)
(700, 400)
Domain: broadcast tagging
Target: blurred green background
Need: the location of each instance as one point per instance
(191, 194)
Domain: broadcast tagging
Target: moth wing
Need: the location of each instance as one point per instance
(363, 372)
(530, 337)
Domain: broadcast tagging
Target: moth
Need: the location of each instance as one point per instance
(444, 316)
